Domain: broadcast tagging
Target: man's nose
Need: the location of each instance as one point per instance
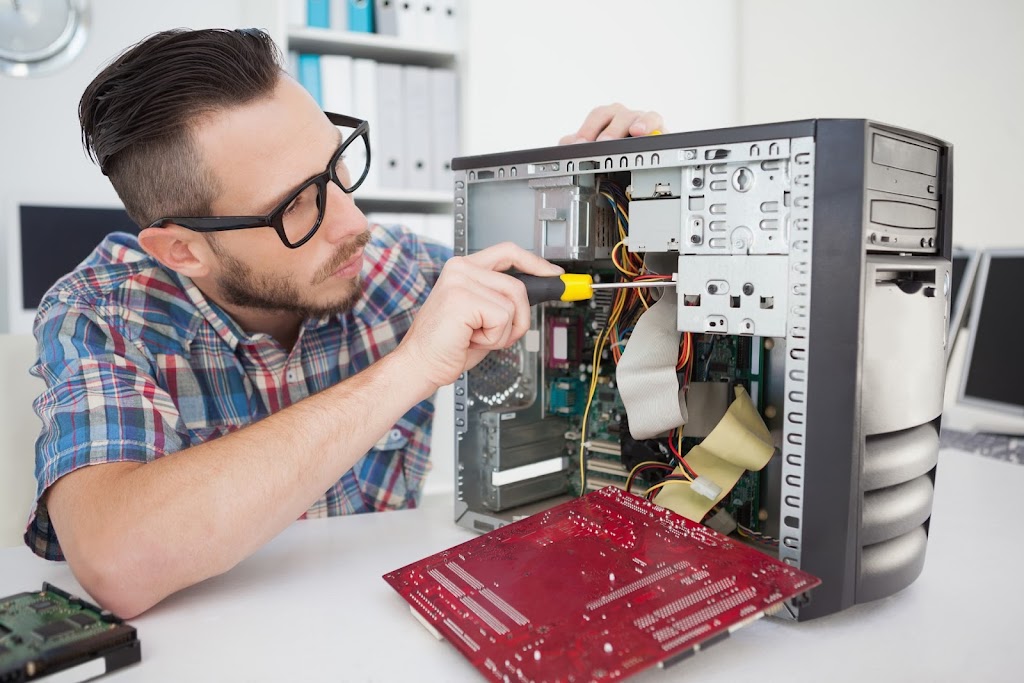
(342, 218)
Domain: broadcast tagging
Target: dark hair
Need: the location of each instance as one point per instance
(137, 114)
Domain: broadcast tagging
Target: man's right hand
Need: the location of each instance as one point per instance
(474, 308)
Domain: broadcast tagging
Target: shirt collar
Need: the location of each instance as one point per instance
(225, 326)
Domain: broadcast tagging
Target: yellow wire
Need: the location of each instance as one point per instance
(665, 483)
(622, 268)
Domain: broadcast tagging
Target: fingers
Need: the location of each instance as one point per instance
(504, 256)
(497, 288)
(646, 123)
(615, 121)
(495, 323)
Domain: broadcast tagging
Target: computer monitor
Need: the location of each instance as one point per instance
(46, 242)
(992, 380)
(965, 266)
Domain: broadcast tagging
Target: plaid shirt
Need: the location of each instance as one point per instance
(139, 364)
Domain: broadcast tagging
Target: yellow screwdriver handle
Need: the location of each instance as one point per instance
(577, 287)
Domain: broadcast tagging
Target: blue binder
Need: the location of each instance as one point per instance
(360, 16)
(309, 76)
(318, 13)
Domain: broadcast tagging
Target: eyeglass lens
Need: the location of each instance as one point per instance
(300, 217)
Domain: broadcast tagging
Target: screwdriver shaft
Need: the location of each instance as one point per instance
(633, 285)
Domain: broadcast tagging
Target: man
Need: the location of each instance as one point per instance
(256, 345)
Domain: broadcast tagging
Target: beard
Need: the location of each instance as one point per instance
(241, 286)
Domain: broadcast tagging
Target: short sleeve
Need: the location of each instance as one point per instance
(101, 404)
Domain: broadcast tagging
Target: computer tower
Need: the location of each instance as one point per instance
(812, 266)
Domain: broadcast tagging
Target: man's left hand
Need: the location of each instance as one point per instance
(615, 121)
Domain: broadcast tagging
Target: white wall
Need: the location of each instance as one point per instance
(535, 68)
(948, 68)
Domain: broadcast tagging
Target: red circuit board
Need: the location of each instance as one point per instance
(595, 589)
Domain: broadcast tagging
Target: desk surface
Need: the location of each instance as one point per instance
(311, 605)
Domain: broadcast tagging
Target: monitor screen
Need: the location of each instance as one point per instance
(959, 266)
(965, 265)
(994, 370)
(55, 239)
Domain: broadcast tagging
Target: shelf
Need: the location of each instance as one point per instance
(404, 201)
(367, 45)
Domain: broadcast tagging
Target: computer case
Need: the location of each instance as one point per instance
(818, 250)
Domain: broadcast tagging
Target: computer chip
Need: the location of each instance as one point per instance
(597, 588)
(51, 631)
(82, 619)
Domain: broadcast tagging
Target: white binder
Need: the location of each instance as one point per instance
(408, 20)
(339, 15)
(418, 134)
(447, 24)
(364, 106)
(391, 139)
(430, 16)
(297, 12)
(444, 123)
(336, 83)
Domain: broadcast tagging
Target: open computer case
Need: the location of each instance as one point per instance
(812, 266)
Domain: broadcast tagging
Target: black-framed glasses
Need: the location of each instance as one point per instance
(297, 218)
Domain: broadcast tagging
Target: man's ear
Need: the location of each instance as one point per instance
(179, 249)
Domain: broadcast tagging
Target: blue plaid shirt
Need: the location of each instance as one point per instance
(139, 364)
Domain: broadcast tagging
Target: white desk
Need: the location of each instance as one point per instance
(311, 606)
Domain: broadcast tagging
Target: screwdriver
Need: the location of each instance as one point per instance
(574, 286)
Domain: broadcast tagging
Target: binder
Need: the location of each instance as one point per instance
(386, 16)
(336, 83)
(339, 15)
(318, 13)
(429, 23)
(297, 13)
(447, 24)
(364, 106)
(391, 139)
(309, 75)
(360, 16)
(416, 101)
(444, 125)
(407, 18)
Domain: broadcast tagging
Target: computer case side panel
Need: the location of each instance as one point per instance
(828, 546)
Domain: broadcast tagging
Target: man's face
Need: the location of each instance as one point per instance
(259, 153)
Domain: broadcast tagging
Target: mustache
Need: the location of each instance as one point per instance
(345, 253)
